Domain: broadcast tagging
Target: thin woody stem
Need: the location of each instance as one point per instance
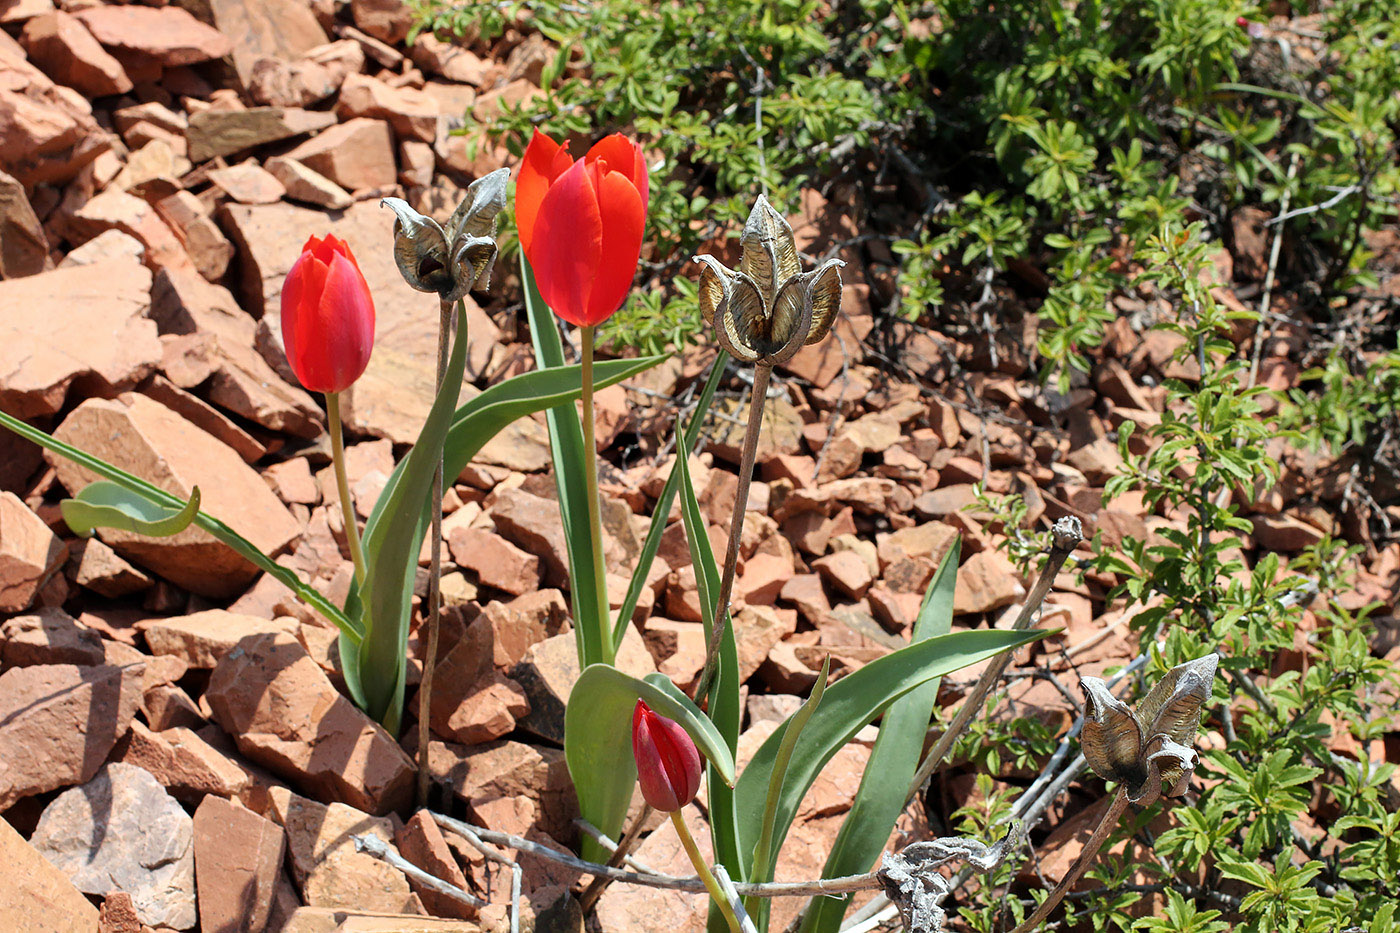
(1066, 535)
(1086, 856)
(595, 888)
(717, 895)
(432, 616)
(342, 485)
(590, 478)
(761, 374)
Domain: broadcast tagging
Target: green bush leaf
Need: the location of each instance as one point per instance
(892, 763)
(105, 504)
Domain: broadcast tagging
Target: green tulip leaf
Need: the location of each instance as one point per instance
(157, 496)
(662, 512)
(391, 555)
(105, 504)
(893, 761)
(588, 589)
(848, 706)
(598, 741)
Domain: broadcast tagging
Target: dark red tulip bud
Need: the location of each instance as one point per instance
(668, 764)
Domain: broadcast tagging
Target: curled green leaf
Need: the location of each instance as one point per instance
(104, 504)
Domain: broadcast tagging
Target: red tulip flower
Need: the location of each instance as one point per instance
(327, 316)
(668, 764)
(581, 223)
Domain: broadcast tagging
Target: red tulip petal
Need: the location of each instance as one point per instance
(544, 161)
(347, 318)
(625, 156)
(300, 291)
(568, 244)
(624, 217)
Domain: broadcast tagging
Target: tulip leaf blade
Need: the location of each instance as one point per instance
(222, 532)
(892, 763)
(391, 555)
(662, 512)
(724, 690)
(105, 504)
(598, 742)
(588, 587)
(848, 706)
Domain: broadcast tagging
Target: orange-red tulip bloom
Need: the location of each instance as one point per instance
(581, 223)
(668, 764)
(327, 316)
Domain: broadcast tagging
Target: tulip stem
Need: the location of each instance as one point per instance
(1086, 856)
(433, 611)
(595, 518)
(761, 374)
(717, 895)
(342, 485)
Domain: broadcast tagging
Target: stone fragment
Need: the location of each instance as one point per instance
(386, 20)
(451, 61)
(763, 579)
(49, 636)
(263, 30)
(846, 571)
(106, 246)
(633, 907)
(1284, 532)
(495, 561)
(188, 767)
(37, 897)
(328, 867)
(307, 80)
(24, 250)
(422, 843)
(756, 630)
(169, 35)
(121, 831)
(223, 336)
(148, 439)
(71, 718)
(304, 184)
(508, 630)
(412, 113)
(115, 209)
(521, 447)
(284, 713)
(214, 133)
(550, 668)
(503, 770)
(472, 701)
(205, 417)
(166, 706)
(237, 863)
(986, 581)
(344, 920)
(30, 553)
(43, 353)
(358, 153)
(17, 11)
(533, 524)
(47, 132)
(248, 183)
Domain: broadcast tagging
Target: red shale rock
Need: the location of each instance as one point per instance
(237, 863)
(59, 43)
(48, 134)
(30, 553)
(168, 34)
(284, 713)
(36, 896)
(58, 722)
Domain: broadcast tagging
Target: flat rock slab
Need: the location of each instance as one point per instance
(393, 396)
(47, 333)
(30, 553)
(168, 34)
(49, 636)
(332, 920)
(144, 437)
(326, 864)
(37, 897)
(48, 134)
(201, 639)
(237, 863)
(284, 713)
(216, 133)
(58, 722)
(121, 831)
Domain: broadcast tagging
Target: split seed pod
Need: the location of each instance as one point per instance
(1148, 748)
(768, 309)
(454, 260)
